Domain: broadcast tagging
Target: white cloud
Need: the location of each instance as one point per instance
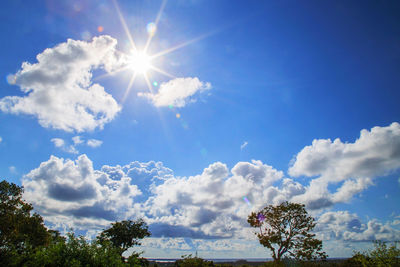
(1, 139)
(244, 145)
(352, 166)
(58, 89)
(94, 142)
(73, 193)
(77, 140)
(206, 205)
(342, 225)
(177, 92)
(12, 169)
(211, 204)
(60, 143)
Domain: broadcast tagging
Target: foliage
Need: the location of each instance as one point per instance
(189, 261)
(286, 228)
(381, 255)
(20, 230)
(25, 241)
(125, 234)
(76, 251)
(136, 260)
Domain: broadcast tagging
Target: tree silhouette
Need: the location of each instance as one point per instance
(285, 228)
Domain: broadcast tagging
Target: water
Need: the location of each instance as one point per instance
(215, 260)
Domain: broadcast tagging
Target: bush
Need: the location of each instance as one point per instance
(189, 261)
(76, 251)
(381, 255)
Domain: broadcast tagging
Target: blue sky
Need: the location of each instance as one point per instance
(266, 100)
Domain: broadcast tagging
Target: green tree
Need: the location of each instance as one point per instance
(20, 230)
(189, 261)
(381, 255)
(286, 228)
(125, 234)
(76, 251)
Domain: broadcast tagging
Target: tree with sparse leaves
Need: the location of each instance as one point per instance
(125, 234)
(286, 228)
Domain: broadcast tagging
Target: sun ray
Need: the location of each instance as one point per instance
(163, 72)
(107, 74)
(128, 89)
(172, 49)
(156, 24)
(121, 18)
(148, 83)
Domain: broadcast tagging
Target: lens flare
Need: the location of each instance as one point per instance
(260, 217)
(151, 28)
(247, 201)
(10, 79)
(100, 29)
(86, 35)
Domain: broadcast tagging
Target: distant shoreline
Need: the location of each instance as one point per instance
(219, 260)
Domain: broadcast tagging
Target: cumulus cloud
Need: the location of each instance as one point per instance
(211, 203)
(94, 142)
(343, 225)
(177, 92)
(352, 166)
(72, 194)
(208, 205)
(215, 203)
(58, 88)
(61, 189)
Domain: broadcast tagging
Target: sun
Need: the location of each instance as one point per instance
(140, 62)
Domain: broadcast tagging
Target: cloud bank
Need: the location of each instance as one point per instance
(215, 203)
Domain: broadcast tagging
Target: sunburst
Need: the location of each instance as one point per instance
(139, 61)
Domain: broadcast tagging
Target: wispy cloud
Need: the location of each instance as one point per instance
(94, 142)
(177, 92)
(60, 143)
(244, 145)
(12, 169)
(76, 141)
